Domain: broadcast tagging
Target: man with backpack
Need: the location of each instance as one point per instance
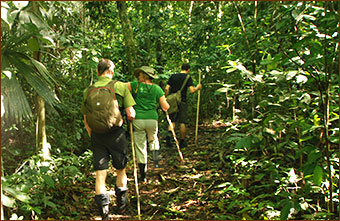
(101, 106)
(175, 83)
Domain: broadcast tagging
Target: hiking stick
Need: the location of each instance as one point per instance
(198, 106)
(174, 135)
(135, 168)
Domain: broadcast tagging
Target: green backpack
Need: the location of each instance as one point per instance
(102, 109)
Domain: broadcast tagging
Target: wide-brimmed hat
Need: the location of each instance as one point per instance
(147, 70)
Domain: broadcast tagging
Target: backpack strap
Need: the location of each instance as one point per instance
(108, 86)
(184, 83)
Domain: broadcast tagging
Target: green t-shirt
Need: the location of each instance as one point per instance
(123, 94)
(147, 99)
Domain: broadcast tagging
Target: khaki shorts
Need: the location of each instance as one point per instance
(145, 131)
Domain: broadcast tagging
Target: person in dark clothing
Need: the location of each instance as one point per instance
(174, 84)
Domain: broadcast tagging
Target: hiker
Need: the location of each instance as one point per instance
(174, 84)
(147, 96)
(108, 142)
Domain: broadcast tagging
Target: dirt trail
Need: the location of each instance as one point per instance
(179, 190)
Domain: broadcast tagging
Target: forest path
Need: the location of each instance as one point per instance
(179, 190)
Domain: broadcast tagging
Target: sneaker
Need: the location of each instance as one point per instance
(102, 201)
(142, 180)
(105, 212)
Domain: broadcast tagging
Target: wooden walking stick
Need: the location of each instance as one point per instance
(198, 106)
(174, 135)
(135, 169)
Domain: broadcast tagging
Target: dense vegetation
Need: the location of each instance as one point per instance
(269, 106)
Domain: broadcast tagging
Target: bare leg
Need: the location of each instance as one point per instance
(100, 182)
(121, 178)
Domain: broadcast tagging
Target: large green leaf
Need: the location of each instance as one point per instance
(15, 41)
(20, 4)
(4, 11)
(4, 62)
(43, 71)
(40, 86)
(33, 44)
(7, 201)
(16, 194)
(318, 173)
(244, 143)
(48, 180)
(15, 101)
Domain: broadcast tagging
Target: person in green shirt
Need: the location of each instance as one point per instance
(111, 145)
(147, 96)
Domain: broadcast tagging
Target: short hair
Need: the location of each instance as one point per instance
(103, 65)
(185, 67)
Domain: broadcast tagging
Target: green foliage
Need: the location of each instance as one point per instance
(24, 32)
(39, 189)
(269, 72)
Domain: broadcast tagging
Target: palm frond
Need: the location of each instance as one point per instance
(4, 62)
(16, 40)
(28, 15)
(40, 86)
(15, 101)
(43, 71)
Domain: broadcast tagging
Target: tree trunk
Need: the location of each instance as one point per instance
(146, 13)
(41, 140)
(130, 47)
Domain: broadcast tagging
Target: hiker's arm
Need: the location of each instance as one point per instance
(194, 89)
(164, 104)
(87, 126)
(167, 90)
(130, 112)
(128, 102)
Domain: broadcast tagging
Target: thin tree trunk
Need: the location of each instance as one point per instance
(326, 123)
(130, 47)
(146, 13)
(41, 138)
(190, 10)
